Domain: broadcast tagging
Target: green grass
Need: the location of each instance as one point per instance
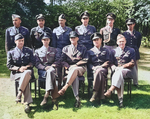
(136, 108)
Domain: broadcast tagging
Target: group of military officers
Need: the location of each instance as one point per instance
(75, 51)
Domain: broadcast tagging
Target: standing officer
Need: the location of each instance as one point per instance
(85, 31)
(123, 66)
(12, 31)
(110, 33)
(74, 58)
(133, 39)
(37, 33)
(99, 59)
(46, 60)
(20, 61)
(61, 33)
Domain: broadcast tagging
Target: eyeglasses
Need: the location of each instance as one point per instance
(129, 24)
(84, 18)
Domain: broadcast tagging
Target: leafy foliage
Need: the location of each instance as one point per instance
(28, 9)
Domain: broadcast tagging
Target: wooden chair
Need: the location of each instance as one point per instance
(32, 80)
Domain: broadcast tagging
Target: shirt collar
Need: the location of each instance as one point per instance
(40, 27)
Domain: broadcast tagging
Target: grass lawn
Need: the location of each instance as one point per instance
(136, 108)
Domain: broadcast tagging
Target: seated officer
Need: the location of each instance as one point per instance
(123, 59)
(110, 33)
(37, 33)
(133, 40)
(20, 61)
(61, 33)
(99, 58)
(73, 58)
(85, 31)
(14, 30)
(46, 60)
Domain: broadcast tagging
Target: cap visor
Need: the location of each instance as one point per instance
(95, 38)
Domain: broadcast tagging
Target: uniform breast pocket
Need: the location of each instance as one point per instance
(51, 58)
(106, 36)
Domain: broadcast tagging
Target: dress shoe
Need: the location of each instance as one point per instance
(93, 98)
(120, 102)
(108, 93)
(18, 98)
(45, 99)
(27, 108)
(77, 103)
(62, 91)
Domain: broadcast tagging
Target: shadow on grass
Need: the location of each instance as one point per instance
(139, 100)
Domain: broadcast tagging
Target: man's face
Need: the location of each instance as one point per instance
(19, 43)
(130, 26)
(16, 22)
(41, 22)
(110, 22)
(121, 42)
(74, 40)
(62, 22)
(85, 21)
(46, 42)
(97, 42)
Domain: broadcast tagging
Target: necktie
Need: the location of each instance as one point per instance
(17, 30)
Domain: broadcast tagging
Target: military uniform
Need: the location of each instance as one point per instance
(61, 37)
(85, 32)
(110, 34)
(36, 35)
(133, 39)
(17, 58)
(10, 37)
(84, 35)
(47, 57)
(123, 58)
(61, 34)
(97, 57)
(74, 56)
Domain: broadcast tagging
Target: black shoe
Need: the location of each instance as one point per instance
(77, 103)
(27, 108)
(121, 103)
(55, 104)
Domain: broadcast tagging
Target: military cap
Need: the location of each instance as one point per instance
(62, 16)
(18, 36)
(110, 16)
(85, 15)
(95, 36)
(40, 16)
(120, 36)
(130, 21)
(73, 34)
(15, 16)
(45, 36)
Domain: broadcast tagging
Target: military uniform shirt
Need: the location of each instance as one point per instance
(133, 41)
(10, 37)
(98, 56)
(36, 35)
(84, 35)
